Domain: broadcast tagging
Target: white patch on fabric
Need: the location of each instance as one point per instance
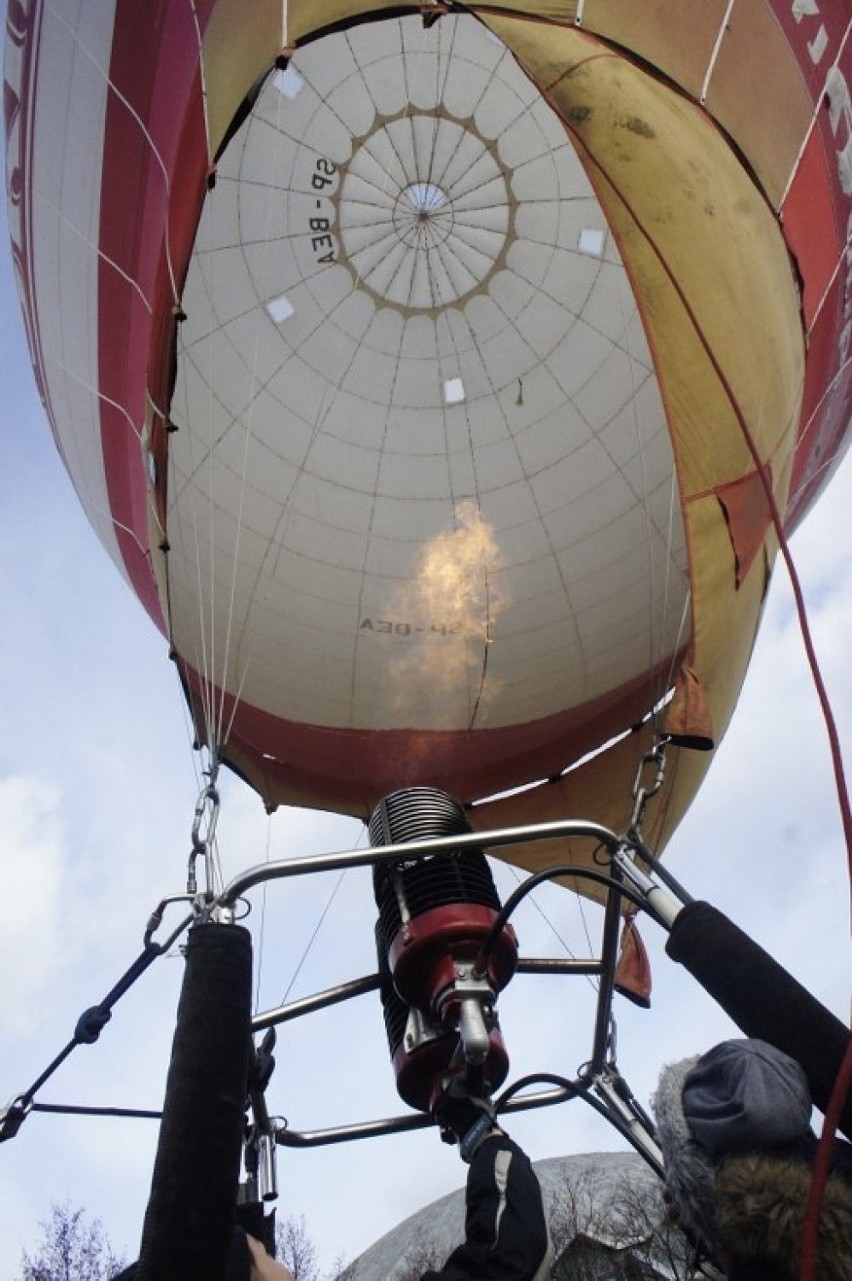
(501, 1179)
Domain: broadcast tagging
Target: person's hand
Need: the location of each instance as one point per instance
(263, 1268)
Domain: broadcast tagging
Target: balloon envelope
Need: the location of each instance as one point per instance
(426, 376)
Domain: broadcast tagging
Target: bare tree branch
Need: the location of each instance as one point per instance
(72, 1248)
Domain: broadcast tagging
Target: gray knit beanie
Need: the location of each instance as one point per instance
(746, 1096)
(743, 1095)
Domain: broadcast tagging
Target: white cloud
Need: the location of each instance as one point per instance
(30, 940)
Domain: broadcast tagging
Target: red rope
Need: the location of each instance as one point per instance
(821, 1171)
(822, 1164)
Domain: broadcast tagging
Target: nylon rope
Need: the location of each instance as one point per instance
(219, 732)
(201, 659)
(249, 428)
(191, 728)
(640, 448)
(208, 630)
(320, 920)
(201, 71)
(131, 111)
(563, 943)
(214, 706)
(314, 934)
(822, 1169)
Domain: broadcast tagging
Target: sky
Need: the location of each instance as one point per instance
(98, 784)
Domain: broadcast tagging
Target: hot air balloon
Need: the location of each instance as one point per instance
(442, 378)
(431, 371)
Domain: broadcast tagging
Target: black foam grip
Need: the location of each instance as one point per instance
(189, 1220)
(761, 997)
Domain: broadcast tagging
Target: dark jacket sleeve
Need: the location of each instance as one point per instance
(506, 1236)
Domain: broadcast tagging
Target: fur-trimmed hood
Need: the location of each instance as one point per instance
(689, 1170)
(760, 1202)
(737, 1148)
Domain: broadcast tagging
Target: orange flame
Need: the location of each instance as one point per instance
(440, 673)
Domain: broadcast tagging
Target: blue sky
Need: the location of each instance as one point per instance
(98, 784)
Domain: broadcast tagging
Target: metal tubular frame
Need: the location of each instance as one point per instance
(625, 881)
(342, 859)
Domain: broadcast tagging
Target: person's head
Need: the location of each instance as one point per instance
(264, 1268)
(715, 1114)
(746, 1095)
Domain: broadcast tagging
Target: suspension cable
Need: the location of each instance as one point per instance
(88, 1028)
